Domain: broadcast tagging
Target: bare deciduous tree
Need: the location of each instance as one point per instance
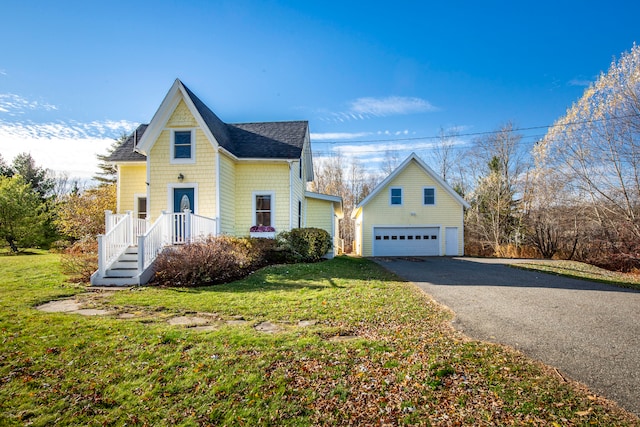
(591, 156)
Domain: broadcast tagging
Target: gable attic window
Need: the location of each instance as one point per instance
(395, 196)
(182, 146)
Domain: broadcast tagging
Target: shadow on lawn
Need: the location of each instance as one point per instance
(313, 276)
(19, 253)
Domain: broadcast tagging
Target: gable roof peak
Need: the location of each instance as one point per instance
(269, 140)
(413, 157)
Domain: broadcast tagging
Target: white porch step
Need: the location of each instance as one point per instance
(123, 272)
(114, 281)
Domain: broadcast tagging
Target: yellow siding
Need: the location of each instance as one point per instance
(227, 195)
(447, 212)
(200, 174)
(131, 180)
(181, 117)
(320, 214)
(261, 177)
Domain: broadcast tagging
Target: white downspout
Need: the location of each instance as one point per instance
(218, 221)
(290, 195)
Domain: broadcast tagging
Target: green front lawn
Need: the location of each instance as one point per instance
(406, 366)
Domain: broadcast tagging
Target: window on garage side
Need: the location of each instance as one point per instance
(395, 196)
(429, 196)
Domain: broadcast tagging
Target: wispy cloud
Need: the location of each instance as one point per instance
(369, 107)
(62, 146)
(338, 135)
(15, 104)
(390, 106)
(580, 82)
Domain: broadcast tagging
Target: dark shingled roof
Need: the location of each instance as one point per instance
(124, 152)
(267, 140)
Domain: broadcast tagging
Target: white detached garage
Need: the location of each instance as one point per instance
(413, 212)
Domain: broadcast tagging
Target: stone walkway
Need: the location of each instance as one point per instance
(81, 304)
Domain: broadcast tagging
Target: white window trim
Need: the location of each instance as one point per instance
(172, 158)
(273, 207)
(137, 196)
(170, 188)
(435, 196)
(401, 196)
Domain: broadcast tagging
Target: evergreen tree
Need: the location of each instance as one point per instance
(108, 173)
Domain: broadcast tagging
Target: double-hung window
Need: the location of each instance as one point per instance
(263, 209)
(395, 196)
(182, 146)
(429, 196)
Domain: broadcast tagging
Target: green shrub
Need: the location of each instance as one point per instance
(215, 260)
(306, 244)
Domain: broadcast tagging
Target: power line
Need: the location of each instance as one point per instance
(324, 152)
(457, 135)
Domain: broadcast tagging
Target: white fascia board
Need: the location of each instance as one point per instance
(201, 123)
(161, 117)
(320, 196)
(128, 163)
(426, 169)
(264, 160)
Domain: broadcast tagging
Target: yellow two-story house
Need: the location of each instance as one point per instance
(187, 172)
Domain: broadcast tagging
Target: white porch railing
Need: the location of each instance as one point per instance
(202, 227)
(116, 240)
(152, 242)
(111, 219)
(123, 230)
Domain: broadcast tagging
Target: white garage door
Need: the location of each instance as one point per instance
(406, 241)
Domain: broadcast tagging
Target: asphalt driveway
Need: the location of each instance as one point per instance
(589, 331)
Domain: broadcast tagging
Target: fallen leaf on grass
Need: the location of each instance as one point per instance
(584, 413)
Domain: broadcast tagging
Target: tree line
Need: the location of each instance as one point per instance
(41, 209)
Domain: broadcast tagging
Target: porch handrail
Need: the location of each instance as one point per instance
(115, 242)
(151, 243)
(111, 219)
(202, 226)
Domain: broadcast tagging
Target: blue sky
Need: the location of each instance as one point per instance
(368, 76)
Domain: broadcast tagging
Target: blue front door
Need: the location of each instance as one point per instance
(183, 199)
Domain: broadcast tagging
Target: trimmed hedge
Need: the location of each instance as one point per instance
(307, 244)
